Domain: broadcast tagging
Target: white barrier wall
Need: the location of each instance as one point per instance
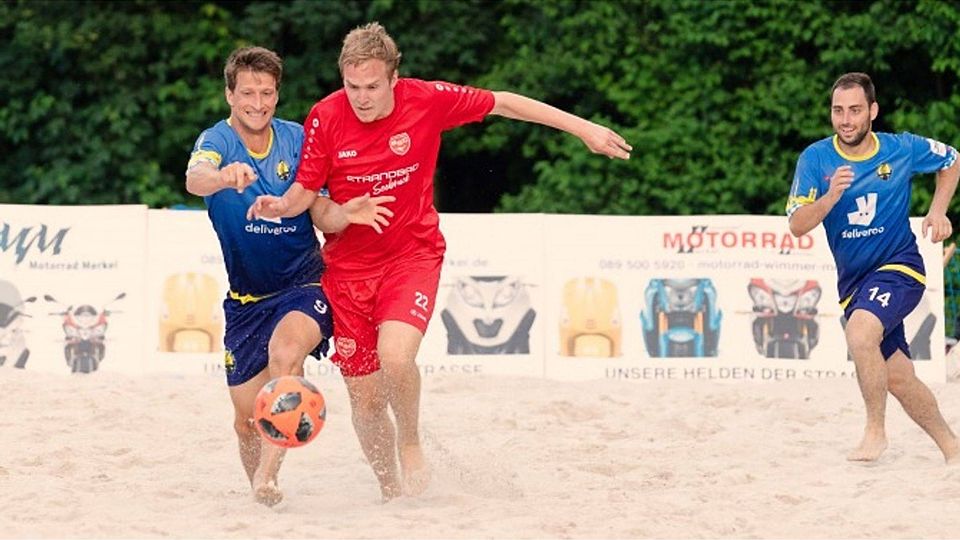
(565, 297)
(59, 259)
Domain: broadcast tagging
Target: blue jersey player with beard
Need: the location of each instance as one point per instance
(276, 312)
(858, 184)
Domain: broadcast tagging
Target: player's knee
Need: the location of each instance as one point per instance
(243, 425)
(899, 381)
(391, 357)
(286, 357)
(369, 407)
(861, 343)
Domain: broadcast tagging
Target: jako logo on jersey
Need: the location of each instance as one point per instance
(400, 143)
(866, 210)
(937, 147)
(283, 170)
(22, 241)
(884, 171)
(344, 154)
(320, 307)
(346, 346)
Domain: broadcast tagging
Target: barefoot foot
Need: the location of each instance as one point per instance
(951, 453)
(414, 472)
(388, 492)
(267, 494)
(870, 449)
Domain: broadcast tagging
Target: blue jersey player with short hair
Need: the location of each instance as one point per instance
(858, 184)
(276, 312)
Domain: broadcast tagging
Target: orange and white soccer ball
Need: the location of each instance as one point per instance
(289, 411)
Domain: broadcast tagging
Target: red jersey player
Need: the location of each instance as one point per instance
(380, 135)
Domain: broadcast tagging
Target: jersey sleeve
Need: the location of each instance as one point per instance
(460, 104)
(929, 155)
(315, 161)
(209, 148)
(806, 183)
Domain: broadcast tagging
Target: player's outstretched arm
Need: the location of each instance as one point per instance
(936, 225)
(293, 203)
(599, 139)
(205, 179)
(331, 217)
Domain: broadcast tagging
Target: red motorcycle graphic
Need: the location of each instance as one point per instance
(84, 330)
(785, 317)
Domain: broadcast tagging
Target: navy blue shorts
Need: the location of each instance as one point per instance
(891, 296)
(250, 326)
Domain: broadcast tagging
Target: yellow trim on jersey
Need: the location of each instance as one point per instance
(876, 148)
(209, 156)
(245, 299)
(253, 154)
(801, 200)
(902, 268)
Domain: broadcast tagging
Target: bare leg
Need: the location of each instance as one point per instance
(375, 430)
(292, 340)
(864, 334)
(248, 437)
(920, 404)
(397, 348)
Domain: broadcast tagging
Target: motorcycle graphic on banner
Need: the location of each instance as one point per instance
(785, 317)
(680, 318)
(84, 333)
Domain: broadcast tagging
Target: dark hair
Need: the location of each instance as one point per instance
(256, 59)
(849, 80)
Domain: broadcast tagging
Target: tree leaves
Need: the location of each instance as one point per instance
(103, 100)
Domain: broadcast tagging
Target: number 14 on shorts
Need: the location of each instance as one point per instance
(877, 296)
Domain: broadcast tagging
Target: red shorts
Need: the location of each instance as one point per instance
(405, 292)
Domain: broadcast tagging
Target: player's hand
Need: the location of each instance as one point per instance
(605, 141)
(936, 227)
(367, 210)
(267, 207)
(237, 176)
(841, 180)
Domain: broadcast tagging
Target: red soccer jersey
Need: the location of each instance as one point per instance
(396, 155)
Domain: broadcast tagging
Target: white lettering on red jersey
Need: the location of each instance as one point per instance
(396, 155)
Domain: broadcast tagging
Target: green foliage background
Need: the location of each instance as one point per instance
(101, 101)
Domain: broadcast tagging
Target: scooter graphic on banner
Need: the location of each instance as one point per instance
(84, 330)
(13, 346)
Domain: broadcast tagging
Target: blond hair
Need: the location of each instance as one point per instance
(369, 42)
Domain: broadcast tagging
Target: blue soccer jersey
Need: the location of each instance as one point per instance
(869, 226)
(262, 257)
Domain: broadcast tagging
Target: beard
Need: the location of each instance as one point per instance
(857, 137)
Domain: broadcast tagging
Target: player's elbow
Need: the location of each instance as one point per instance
(190, 184)
(797, 229)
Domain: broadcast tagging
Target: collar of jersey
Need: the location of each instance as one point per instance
(253, 154)
(876, 148)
